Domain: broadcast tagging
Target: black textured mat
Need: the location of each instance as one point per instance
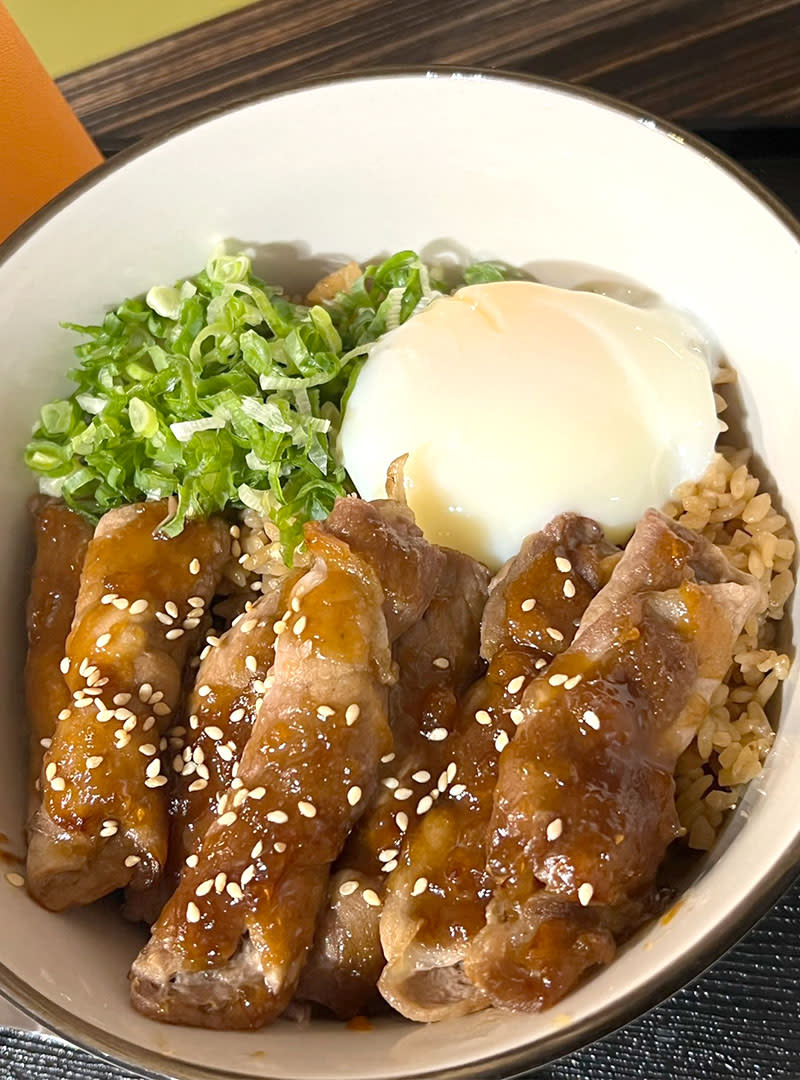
(741, 1019)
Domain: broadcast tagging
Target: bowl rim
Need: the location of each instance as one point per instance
(681, 972)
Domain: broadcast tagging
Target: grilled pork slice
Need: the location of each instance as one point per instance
(584, 806)
(102, 824)
(61, 537)
(437, 659)
(436, 898)
(229, 947)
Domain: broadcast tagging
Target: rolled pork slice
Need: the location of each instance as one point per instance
(437, 659)
(436, 899)
(103, 824)
(584, 808)
(229, 947)
(61, 537)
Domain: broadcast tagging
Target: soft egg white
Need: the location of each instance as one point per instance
(515, 401)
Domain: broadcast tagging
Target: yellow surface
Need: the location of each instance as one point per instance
(69, 34)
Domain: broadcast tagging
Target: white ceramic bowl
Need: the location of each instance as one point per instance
(462, 163)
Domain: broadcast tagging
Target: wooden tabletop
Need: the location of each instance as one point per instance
(701, 62)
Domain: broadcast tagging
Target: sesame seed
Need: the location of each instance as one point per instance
(562, 564)
(220, 881)
(251, 663)
(129, 724)
(438, 734)
(500, 741)
(192, 860)
(161, 708)
(452, 769)
(236, 716)
(121, 699)
(194, 566)
(389, 866)
(570, 684)
(556, 635)
(17, 880)
(387, 758)
(403, 793)
(458, 789)
(192, 912)
(50, 771)
(424, 804)
(279, 846)
(558, 679)
(555, 828)
(258, 847)
(225, 752)
(325, 710)
(516, 716)
(257, 793)
(204, 690)
(83, 702)
(227, 818)
(248, 874)
(529, 604)
(108, 831)
(148, 723)
(483, 717)
(371, 898)
(591, 718)
(585, 893)
(198, 785)
(65, 714)
(205, 887)
(132, 860)
(155, 781)
(347, 888)
(58, 783)
(120, 603)
(154, 768)
(441, 783)
(300, 626)
(214, 733)
(541, 663)
(234, 890)
(307, 809)
(103, 640)
(278, 817)
(442, 663)
(351, 714)
(390, 782)
(145, 692)
(93, 761)
(516, 684)
(174, 634)
(387, 854)
(138, 606)
(109, 598)
(419, 886)
(194, 721)
(202, 772)
(147, 749)
(421, 777)
(401, 820)
(354, 795)
(569, 588)
(164, 619)
(279, 627)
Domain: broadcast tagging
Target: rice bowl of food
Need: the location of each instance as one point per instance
(409, 678)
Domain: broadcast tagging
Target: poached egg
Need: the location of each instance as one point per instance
(511, 402)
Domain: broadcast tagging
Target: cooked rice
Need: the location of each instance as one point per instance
(735, 735)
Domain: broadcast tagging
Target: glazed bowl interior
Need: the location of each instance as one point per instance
(456, 166)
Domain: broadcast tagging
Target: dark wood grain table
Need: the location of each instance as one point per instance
(729, 68)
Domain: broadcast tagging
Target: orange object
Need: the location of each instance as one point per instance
(43, 146)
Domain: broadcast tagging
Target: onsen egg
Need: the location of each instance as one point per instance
(516, 401)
